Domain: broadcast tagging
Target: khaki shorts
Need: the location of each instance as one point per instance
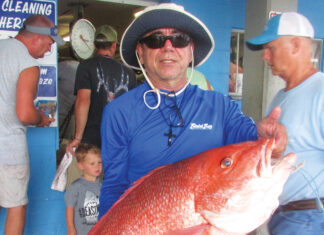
(14, 182)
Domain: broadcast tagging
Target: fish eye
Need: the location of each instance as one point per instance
(226, 162)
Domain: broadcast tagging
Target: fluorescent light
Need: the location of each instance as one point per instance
(66, 38)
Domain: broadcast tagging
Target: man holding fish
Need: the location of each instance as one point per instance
(167, 119)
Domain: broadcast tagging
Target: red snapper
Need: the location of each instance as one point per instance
(227, 190)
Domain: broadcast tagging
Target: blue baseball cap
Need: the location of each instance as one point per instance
(285, 24)
(50, 31)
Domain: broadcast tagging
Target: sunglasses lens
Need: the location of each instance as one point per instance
(157, 41)
(153, 41)
(180, 40)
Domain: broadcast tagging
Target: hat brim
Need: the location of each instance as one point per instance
(58, 40)
(269, 33)
(166, 18)
(264, 38)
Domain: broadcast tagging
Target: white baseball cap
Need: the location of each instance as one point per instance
(285, 24)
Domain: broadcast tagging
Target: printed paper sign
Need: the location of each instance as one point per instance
(47, 82)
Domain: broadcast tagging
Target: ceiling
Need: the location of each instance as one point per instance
(117, 13)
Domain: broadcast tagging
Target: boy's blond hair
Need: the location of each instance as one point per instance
(85, 148)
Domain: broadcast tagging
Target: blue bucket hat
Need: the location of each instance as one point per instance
(166, 15)
(285, 24)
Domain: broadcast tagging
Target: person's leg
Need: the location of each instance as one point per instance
(13, 196)
(15, 221)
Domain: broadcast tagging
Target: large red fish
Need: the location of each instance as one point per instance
(227, 190)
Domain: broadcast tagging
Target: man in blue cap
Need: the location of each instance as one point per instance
(19, 75)
(287, 45)
(167, 119)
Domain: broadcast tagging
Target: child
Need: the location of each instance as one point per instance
(82, 197)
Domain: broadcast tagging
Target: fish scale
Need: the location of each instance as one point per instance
(169, 193)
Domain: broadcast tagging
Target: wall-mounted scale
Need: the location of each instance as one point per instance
(82, 38)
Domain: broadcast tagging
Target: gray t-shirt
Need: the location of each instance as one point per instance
(83, 195)
(14, 58)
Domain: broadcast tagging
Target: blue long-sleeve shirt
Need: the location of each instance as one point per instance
(135, 141)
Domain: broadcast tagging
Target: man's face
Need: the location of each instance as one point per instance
(44, 44)
(277, 55)
(168, 62)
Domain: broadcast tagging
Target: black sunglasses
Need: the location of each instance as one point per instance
(155, 41)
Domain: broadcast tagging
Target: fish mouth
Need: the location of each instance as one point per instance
(269, 165)
(265, 165)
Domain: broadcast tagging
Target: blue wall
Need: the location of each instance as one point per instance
(212, 13)
(314, 11)
(220, 16)
(237, 13)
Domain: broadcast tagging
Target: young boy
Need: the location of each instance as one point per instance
(82, 197)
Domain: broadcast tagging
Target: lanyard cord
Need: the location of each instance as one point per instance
(157, 90)
(174, 108)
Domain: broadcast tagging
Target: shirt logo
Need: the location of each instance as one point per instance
(89, 212)
(204, 126)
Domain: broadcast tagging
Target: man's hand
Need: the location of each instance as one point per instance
(269, 127)
(72, 145)
(44, 119)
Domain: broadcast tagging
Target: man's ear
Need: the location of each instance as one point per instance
(139, 51)
(113, 48)
(114, 44)
(36, 39)
(295, 43)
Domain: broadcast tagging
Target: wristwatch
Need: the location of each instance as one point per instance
(82, 38)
